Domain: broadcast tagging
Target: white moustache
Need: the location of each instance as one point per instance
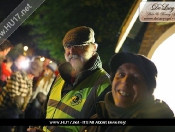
(73, 56)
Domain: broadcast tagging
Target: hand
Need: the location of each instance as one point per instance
(35, 129)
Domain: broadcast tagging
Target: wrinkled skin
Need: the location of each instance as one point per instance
(79, 55)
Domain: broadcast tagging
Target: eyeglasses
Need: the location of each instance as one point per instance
(76, 47)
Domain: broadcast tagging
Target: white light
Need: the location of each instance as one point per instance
(163, 57)
(25, 48)
(24, 64)
(42, 59)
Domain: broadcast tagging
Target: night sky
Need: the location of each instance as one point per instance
(20, 35)
(7, 6)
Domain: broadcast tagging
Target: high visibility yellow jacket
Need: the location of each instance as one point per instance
(78, 102)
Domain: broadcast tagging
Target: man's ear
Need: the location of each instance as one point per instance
(95, 47)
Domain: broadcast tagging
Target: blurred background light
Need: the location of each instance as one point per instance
(24, 64)
(163, 57)
(25, 48)
(42, 58)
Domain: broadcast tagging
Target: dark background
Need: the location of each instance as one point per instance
(44, 29)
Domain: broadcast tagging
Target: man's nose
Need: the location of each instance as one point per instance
(127, 79)
(70, 49)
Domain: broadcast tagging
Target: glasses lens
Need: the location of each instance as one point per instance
(76, 47)
(67, 46)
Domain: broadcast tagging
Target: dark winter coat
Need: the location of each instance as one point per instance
(150, 108)
(33, 110)
(12, 112)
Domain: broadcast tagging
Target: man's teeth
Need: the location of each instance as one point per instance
(124, 93)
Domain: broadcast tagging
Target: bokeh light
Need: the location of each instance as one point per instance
(164, 58)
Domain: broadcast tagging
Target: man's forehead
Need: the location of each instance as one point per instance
(127, 66)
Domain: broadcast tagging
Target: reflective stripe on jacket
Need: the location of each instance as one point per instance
(78, 102)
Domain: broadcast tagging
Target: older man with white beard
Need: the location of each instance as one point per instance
(82, 81)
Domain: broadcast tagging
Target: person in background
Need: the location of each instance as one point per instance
(133, 79)
(81, 82)
(20, 83)
(46, 63)
(36, 79)
(6, 70)
(5, 47)
(19, 63)
(44, 83)
(34, 108)
(15, 112)
(18, 90)
(52, 67)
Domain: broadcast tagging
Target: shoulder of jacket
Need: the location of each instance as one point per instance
(158, 109)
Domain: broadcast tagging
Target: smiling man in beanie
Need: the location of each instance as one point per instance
(82, 81)
(133, 79)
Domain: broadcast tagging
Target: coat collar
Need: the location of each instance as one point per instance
(92, 65)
